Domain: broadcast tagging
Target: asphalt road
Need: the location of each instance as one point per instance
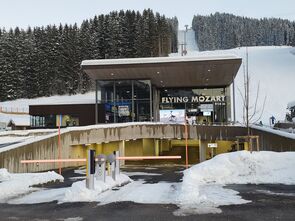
(269, 202)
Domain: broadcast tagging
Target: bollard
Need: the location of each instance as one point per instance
(112, 160)
(90, 169)
(100, 169)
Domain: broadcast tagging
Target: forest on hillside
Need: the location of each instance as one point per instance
(224, 31)
(45, 61)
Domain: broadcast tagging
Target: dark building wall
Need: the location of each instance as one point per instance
(85, 112)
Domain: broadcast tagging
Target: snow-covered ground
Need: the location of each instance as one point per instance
(13, 185)
(202, 189)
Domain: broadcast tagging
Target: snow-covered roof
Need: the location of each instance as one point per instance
(66, 102)
(157, 60)
(183, 71)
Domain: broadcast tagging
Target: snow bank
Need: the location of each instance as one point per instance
(79, 193)
(202, 187)
(242, 167)
(4, 175)
(12, 185)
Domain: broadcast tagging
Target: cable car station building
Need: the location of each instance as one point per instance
(149, 89)
(164, 89)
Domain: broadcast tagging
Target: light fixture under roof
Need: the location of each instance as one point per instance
(209, 70)
(112, 74)
(158, 72)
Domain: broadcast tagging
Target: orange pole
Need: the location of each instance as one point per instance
(59, 146)
(84, 160)
(53, 160)
(149, 158)
(186, 148)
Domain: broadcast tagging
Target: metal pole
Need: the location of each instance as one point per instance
(132, 100)
(186, 26)
(186, 136)
(151, 104)
(96, 106)
(59, 144)
(234, 101)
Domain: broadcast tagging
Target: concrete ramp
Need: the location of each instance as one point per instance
(76, 140)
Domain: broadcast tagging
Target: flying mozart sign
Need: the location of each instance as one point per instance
(194, 99)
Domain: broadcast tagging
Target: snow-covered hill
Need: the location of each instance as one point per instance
(274, 68)
(191, 44)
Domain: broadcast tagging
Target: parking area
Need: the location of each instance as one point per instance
(269, 202)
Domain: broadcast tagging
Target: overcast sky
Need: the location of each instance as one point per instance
(23, 13)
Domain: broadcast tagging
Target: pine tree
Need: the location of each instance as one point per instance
(46, 60)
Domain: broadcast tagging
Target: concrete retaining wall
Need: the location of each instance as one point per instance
(48, 149)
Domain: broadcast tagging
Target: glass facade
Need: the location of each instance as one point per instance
(52, 121)
(136, 100)
(125, 100)
(202, 106)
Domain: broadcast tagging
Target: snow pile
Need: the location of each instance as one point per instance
(79, 193)
(202, 187)
(12, 185)
(243, 167)
(4, 175)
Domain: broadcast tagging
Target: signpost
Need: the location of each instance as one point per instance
(212, 146)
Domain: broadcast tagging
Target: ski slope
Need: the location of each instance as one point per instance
(273, 67)
(191, 44)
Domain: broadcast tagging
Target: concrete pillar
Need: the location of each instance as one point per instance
(157, 148)
(122, 151)
(202, 150)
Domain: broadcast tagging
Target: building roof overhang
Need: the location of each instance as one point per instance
(202, 71)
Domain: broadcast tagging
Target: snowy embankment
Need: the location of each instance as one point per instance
(202, 187)
(12, 185)
(17, 188)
